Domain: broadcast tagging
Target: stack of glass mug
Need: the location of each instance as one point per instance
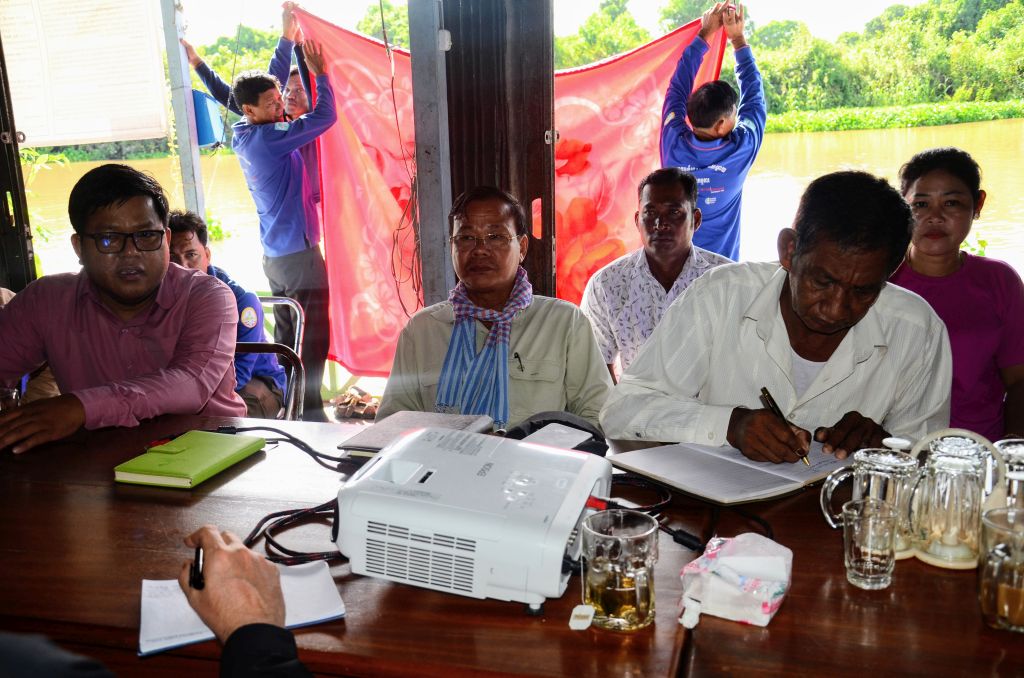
(962, 508)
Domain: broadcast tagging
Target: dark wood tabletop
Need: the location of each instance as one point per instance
(74, 547)
(927, 623)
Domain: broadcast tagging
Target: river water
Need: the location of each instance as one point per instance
(786, 164)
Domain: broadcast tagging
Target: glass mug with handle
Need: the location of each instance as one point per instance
(620, 548)
(869, 538)
(961, 479)
(1001, 569)
(877, 473)
(1012, 450)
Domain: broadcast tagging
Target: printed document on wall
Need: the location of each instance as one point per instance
(85, 72)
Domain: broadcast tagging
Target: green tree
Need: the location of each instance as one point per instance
(34, 161)
(907, 59)
(989, 65)
(970, 12)
(888, 16)
(396, 20)
(254, 49)
(608, 31)
(807, 73)
(247, 40)
(678, 13)
(777, 34)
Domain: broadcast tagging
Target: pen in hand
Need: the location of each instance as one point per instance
(195, 571)
(769, 402)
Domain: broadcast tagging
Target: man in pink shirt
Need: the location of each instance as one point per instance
(130, 336)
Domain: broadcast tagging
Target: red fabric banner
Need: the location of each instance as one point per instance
(608, 116)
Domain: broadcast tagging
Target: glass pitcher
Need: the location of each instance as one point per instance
(880, 474)
(1012, 450)
(950, 495)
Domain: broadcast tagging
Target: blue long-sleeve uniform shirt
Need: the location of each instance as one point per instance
(720, 165)
(274, 171)
(250, 328)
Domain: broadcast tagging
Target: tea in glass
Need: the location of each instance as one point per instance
(620, 549)
(1001, 569)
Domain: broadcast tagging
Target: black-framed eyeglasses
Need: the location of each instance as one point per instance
(113, 243)
(491, 241)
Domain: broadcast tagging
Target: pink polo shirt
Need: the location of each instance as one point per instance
(174, 357)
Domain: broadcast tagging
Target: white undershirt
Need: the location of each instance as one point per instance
(804, 372)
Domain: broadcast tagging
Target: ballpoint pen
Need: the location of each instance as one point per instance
(195, 571)
(769, 402)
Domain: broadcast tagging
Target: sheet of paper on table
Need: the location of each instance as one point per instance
(310, 597)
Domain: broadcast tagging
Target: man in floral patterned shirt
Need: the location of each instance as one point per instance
(626, 299)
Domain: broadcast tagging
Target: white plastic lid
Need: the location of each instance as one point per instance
(894, 443)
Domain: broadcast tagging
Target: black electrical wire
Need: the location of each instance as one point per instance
(281, 520)
(764, 525)
(318, 457)
(679, 536)
(633, 480)
(766, 528)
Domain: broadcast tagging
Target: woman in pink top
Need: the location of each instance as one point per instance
(981, 300)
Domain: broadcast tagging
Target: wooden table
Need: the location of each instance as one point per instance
(927, 623)
(74, 547)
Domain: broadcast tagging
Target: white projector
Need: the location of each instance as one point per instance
(472, 514)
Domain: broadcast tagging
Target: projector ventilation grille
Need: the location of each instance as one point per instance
(434, 560)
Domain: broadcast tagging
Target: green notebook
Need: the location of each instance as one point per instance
(187, 460)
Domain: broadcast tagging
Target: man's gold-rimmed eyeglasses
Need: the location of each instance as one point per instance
(491, 241)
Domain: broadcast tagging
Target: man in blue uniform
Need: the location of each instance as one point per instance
(268, 146)
(719, 143)
(260, 380)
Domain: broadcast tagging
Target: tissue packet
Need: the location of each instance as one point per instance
(744, 579)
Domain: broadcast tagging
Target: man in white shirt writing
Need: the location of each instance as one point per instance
(849, 359)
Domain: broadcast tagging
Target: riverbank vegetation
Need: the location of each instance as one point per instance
(937, 63)
(886, 117)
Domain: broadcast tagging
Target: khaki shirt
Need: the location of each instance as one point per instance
(554, 362)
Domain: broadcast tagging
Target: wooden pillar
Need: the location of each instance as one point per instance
(501, 111)
(428, 44)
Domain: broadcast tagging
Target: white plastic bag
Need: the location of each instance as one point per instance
(744, 579)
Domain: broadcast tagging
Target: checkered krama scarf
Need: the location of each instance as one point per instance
(477, 383)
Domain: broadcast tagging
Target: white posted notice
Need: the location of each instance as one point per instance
(85, 72)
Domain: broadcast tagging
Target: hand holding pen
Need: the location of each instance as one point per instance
(228, 585)
(769, 403)
(764, 435)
